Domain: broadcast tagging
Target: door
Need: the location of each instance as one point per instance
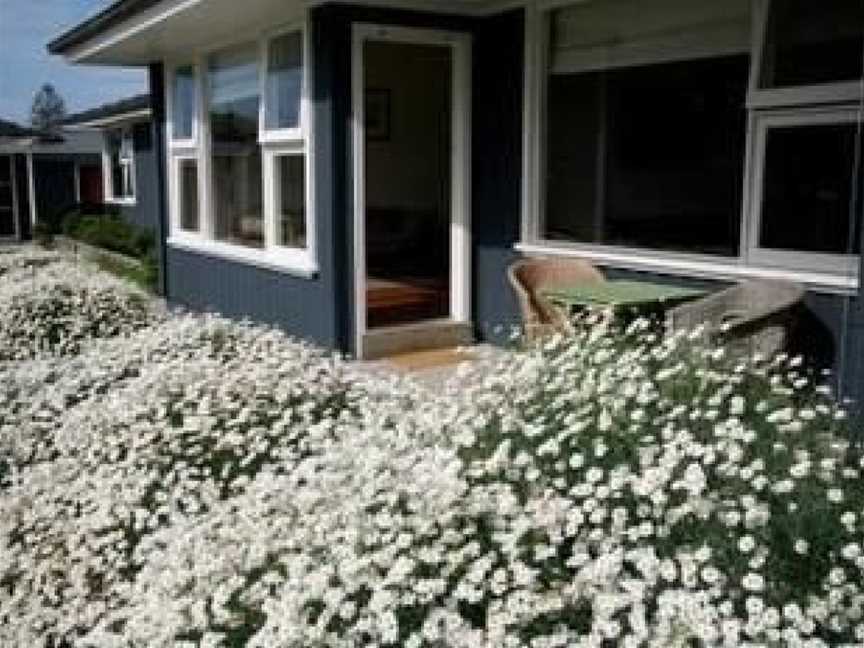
(8, 199)
(90, 184)
(411, 105)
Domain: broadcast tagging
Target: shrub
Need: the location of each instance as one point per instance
(110, 232)
(139, 426)
(63, 306)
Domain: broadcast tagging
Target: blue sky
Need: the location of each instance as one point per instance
(26, 26)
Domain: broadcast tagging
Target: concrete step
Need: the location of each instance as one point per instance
(419, 336)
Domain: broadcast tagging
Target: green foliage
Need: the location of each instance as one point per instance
(144, 274)
(43, 233)
(110, 233)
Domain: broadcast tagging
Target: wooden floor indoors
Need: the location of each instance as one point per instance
(404, 300)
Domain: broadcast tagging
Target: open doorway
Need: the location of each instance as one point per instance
(408, 104)
(412, 234)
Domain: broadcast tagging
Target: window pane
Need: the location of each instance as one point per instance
(649, 156)
(809, 42)
(183, 102)
(291, 200)
(128, 182)
(285, 81)
(807, 190)
(188, 170)
(236, 154)
(114, 145)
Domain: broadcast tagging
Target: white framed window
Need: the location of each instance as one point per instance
(804, 189)
(656, 134)
(186, 188)
(243, 141)
(118, 165)
(183, 104)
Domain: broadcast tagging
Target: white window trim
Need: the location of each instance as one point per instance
(108, 188)
(273, 199)
(297, 134)
(175, 188)
(838, 264)
(830, 277)
(296, 261)
(182, 142)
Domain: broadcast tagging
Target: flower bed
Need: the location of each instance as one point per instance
(16, 259)
(206, 483)
(56, 308)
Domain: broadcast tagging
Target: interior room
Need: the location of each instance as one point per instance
(408, 115)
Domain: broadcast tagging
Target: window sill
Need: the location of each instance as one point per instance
(695, 267)
(124, 202)
(298, 265)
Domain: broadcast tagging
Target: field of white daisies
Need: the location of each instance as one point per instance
(170, 479)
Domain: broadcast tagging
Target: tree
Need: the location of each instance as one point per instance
(48, 109)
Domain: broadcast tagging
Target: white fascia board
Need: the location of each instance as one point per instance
(139, 23)
(90, 51)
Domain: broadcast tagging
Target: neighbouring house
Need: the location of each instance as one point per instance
(44, 175)
(126, 132)
(362, 175)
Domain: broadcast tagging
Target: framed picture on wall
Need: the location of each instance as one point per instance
(377, 118)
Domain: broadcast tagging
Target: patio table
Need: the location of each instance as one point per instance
(619, 295)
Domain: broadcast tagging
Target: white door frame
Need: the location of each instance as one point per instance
(460, 164)
(13, 186)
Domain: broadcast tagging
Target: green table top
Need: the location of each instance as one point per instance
(618, 294)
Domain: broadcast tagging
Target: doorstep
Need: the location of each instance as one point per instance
(420, 336)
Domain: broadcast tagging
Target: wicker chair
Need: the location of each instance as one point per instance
(752, 317)
(529, 277)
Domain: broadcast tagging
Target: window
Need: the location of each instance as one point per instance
(651, 156)
(290, 201)
(119, 165)
(647, 125)
(667, 127)
(233, 99)
(240, 180)
(804, 210)
(809, 43)
(188, 199)
(284, 81)
(183, 102)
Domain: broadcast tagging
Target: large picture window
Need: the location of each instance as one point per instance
(240, 177)
(723, 132)
(649, 156)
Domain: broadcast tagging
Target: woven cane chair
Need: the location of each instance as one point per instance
(752, 317)
(529, 277)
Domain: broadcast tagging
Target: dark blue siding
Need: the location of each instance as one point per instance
(246, 292)
(497, 172)
(145, 212)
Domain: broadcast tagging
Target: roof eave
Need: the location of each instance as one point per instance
(115, 14)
